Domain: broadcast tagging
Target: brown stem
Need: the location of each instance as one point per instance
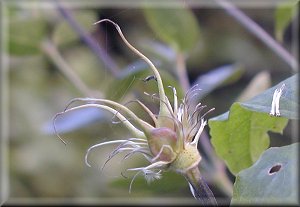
(261, 34)
(90, 42)
(53, 54)
(181, 72)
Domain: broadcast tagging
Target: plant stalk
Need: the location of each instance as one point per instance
(199, 188)
(90, 42)
(261, 34)
(181, 72)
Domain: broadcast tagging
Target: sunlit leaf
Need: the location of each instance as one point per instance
(273, 179)
(240, 136)
(177, 27)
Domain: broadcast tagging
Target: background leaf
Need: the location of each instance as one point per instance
(177, 27)
(85, 18)
(283, 16)
(220, 76)
(26, 35)
(133, 77)
(170, 184)
(240, 136)
(256, 185)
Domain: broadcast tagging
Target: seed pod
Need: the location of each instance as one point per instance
(162, 142)
(186, 159)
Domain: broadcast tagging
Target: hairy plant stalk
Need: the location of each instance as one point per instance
(199, 187)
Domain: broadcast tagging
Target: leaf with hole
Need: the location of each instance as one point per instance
(273, 179)
(240, 135)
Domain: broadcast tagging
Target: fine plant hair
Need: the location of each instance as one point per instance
(169, 107)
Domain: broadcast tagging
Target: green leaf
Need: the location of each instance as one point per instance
(177, 27)
(273, 179)
(289, 104)
(283, 15)
(242, 138)
(25, 35)
(240, 135)
(64, 34)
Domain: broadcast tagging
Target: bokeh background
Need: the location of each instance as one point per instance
(54, 53)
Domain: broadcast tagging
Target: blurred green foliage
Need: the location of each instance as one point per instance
(24, 41)
(64, 35)
(41, 167)
(284, 14)
(177, 27)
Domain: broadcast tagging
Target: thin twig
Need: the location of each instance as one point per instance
(51, 51)
(181, 72)
(255, 29)
(90, 42)
(220, 175)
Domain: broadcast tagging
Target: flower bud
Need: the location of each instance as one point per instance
(162, 142)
